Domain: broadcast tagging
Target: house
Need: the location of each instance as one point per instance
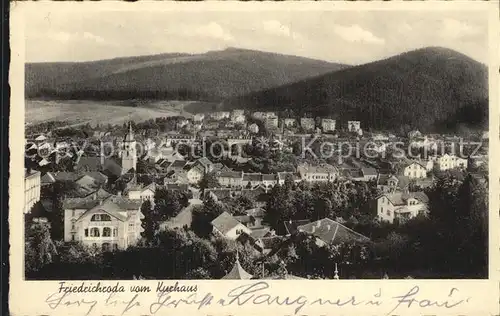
(195, 174)
(219, 194)
(282, 176)
(391, 183)
(141, 193)
(328, 125)
(199, 117)
(220, 115)
(369, 173)
(415, 170)
(289, 122)
(258, 195)
(253, 218)
(401, 206)
(269, 180)
(353, 126)
(446, 162)
(263, 115)
(251, 179)
(227, 226)
(328, 231)
(414, 134)
(230, 178)
(109, 224)
(321, 173)
(238, 116)
(48, 179)
(307, 123)
(272, 121)
(253, 128)
(32, 187)
(176, 166)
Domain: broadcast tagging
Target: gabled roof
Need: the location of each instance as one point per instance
(225, 222)
(255, 212)
(48, 178)
(291, 226)
(237, 272)
(400, 198)
(178, 164)
(331, 231)
(230, 174)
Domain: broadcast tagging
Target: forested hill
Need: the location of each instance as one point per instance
(212, 76)
(430, 89)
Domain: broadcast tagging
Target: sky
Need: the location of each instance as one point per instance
(337, 36)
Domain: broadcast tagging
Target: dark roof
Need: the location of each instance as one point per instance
(230, 174)
(269, 177)
(177, 164)
(291, 226)
(67, 176)
(331, 231)
(259, 233)
(237, 273)
(48, 178)
(225, 222)
(220, 193)
(176, 187)
(252, 177)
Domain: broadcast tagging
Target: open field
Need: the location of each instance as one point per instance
(101, 112)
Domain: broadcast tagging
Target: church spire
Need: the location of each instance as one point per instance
(130, 135)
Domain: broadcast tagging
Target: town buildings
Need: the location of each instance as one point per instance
(321, 173)
(109, 224)
(32, 187)
(307, 124)
(415, 170)
(353, 126)
(227, 226)
(328, 125)
(401, 205)
(446, 162)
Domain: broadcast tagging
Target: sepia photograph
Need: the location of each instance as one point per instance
(256, 145)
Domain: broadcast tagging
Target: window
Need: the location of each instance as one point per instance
(115, 232)
(381, 210)
(388, 213)
(115, 246)
(94, 245)
(94, 232)
(86, 232)
(72, 226)
(106, 247)
(106, 232)
(72, 237)
(100, 218)
(131, 226)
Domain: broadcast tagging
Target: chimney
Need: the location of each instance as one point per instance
(313, 229)
(318, 224)
(119, 193)
(328, 227)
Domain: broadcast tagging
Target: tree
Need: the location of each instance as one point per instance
(209, 181)
(149, 222)
(39, 248)
(203, 216)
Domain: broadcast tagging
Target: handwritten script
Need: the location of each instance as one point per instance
(250, 294)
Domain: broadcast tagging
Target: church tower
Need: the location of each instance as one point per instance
(129, 151)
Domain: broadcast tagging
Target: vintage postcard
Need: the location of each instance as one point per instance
(226, 158)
